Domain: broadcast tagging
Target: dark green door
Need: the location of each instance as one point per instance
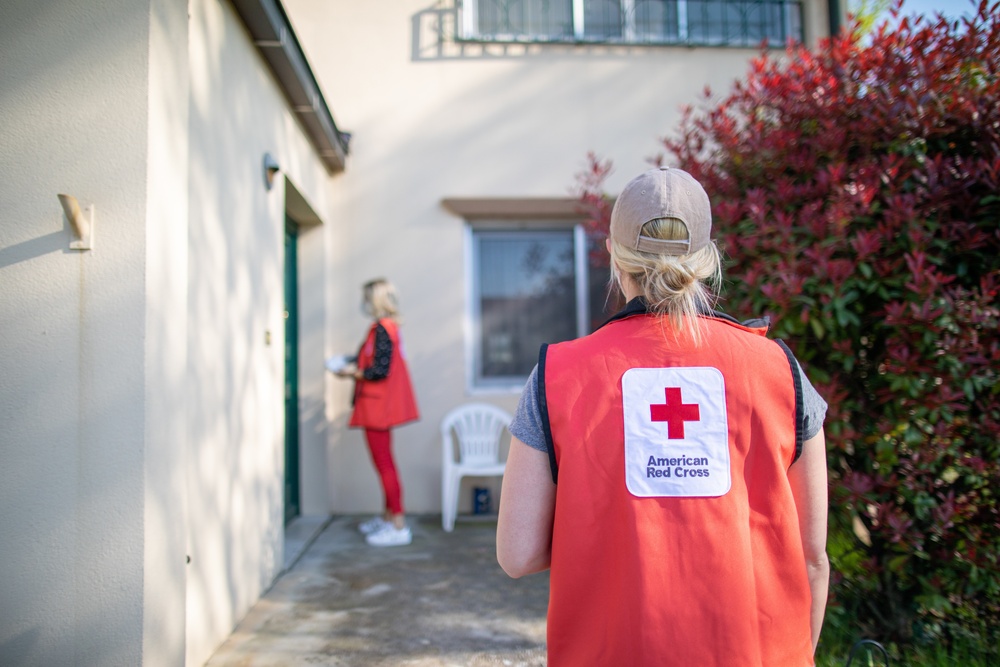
(291, 373)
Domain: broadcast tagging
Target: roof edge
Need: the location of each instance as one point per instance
(272, 34)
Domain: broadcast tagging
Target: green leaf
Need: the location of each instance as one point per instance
(817, 327)
(898, 563)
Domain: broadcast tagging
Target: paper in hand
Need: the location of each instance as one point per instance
(338, 362)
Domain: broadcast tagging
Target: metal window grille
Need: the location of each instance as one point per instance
(699, 22)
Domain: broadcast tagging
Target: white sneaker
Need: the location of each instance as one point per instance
(390, 536)
(373, 525)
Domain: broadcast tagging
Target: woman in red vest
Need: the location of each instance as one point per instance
(670, 468)
(383, 398)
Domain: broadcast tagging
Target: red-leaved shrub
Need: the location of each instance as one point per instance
(856, 195)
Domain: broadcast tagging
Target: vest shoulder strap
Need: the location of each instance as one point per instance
(799, 411)
(543, 407)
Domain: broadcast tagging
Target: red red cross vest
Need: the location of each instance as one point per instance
(382, 404)
(676, 539)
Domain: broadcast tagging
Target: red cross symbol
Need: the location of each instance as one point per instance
(675, 412)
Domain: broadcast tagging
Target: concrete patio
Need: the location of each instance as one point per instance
(441, 601)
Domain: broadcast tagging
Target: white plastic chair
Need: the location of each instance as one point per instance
(477, 429)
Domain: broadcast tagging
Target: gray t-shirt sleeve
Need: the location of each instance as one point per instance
(527, 423)
(813, 406)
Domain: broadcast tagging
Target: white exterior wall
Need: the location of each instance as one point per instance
(72, 326)
(141, 406)
(235, 333)
(432, 120)
(165, 391)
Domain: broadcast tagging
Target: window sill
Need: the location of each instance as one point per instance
(514, 208)
(497, 390)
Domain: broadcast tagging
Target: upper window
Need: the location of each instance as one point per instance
(704, 22)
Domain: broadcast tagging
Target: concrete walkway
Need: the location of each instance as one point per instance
(441, 601)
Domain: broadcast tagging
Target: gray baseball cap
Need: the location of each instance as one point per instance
(662, 193)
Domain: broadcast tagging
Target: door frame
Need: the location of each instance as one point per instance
(292, 478)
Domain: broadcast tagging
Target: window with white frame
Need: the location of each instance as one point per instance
(698, 22)
(529, 285)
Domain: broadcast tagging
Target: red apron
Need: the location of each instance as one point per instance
(382, 404)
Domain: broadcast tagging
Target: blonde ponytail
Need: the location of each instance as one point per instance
(677, 287)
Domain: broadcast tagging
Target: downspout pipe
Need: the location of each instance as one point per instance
(836, 16)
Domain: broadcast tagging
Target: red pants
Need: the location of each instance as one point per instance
(380, 446)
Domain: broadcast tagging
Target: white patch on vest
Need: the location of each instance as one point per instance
(676, 432)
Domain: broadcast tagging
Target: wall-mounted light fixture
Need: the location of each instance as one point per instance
(81, 221)
(271, 170)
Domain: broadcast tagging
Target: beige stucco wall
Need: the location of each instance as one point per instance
(140, 400)
(73, 98)
(431, 120)
(235, 312)
(165, 390)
